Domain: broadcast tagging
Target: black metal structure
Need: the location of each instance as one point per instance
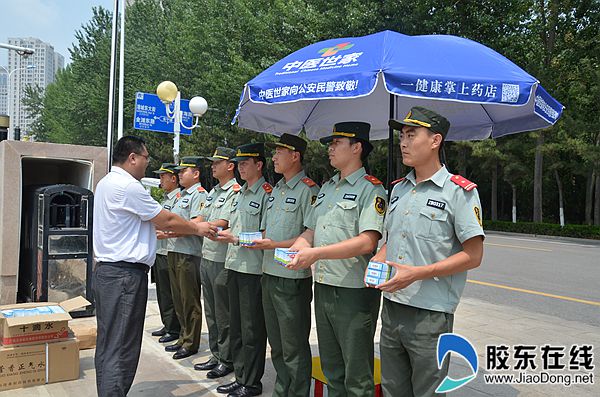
(56, 245)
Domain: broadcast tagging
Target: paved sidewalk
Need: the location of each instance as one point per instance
(481, 322)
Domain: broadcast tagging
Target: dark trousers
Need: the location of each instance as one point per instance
(247, 328)
(121, 294)
(185, 287)
(164, 295)
(214, 295)
(222, 317)
(408, 346)
(346, 321)
(286, 303)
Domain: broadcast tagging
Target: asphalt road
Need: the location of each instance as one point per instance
(554, 277)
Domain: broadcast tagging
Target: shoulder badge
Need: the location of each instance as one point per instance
(236, 187)
(380, 205)
(309, 182)
(398, 180)
(201, 189)
(463, 182)
(267, 187)
(373, 180)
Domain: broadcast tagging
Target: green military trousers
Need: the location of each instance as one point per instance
(185, 287)
(286, 303)
(247, 327)
(216, 304)
(164, 295)
(346, 321)
(408, 346)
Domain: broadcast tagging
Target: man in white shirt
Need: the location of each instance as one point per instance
(125, 217)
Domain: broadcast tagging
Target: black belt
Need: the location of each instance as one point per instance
(129, 265)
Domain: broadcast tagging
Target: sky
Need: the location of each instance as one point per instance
(52, 21)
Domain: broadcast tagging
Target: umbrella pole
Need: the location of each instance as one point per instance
(390, 160)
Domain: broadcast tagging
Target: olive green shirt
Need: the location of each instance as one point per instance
(246, 216)
(218, 206)
(287, 208)
(426, 223)
(344, 209)
(188, 206)
(167, 203)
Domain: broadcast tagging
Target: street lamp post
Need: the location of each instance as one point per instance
(8, 93)
(168, 93)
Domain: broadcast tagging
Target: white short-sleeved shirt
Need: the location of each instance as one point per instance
(122, 213)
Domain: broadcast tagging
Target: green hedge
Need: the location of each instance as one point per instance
(546, 229)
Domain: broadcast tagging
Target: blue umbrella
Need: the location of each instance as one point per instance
(381, 76)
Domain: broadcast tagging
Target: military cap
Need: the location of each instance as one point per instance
(190, 161)
(248, 151)
(350, 129)
(222, 153)
(166, 167)
(422, 117)
(291, 142)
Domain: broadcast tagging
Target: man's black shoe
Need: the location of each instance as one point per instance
(168, 338)
(229, 387)
(159, 332)
(219, 371)
(183, 353)
(172, 348)
(245, 391)
(207, 366)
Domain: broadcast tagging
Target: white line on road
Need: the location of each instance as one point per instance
(518, 246)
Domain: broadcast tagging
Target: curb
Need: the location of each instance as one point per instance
(582, 241)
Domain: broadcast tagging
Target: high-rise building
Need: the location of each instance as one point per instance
(3, 91)
(37, 69)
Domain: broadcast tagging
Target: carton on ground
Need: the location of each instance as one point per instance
(49, 322)
(22, 366)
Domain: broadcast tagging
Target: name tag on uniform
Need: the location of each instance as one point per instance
(254, 204)
(290, 200)
(436, 204)
(321, 195)
(222, 200)
(167, 207)
(185, 202)
(349, 196)
(271, 198)
(394, 199)
(209, 198)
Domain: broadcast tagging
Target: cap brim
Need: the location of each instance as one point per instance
(215, 159)
(327, 139)
(160, 172)
(284, 145)
(398, 124)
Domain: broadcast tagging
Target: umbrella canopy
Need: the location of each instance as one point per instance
(383, 75)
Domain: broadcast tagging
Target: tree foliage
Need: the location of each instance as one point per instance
(212, 48)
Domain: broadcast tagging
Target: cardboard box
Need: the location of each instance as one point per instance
(28, 330)
(22, 366)
(84, 329)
